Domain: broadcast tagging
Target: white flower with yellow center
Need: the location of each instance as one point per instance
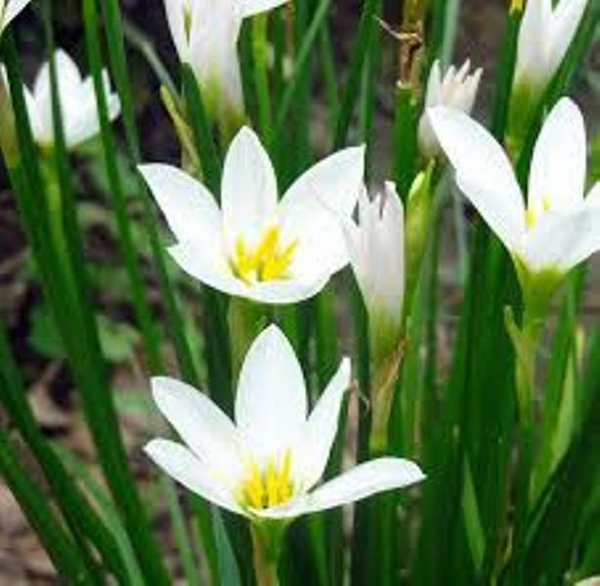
(254, 246)
(267, 463)
(545, 35)
(78, 104)
(454, 89)
(9, 10)
(559, 227)
(205, 34)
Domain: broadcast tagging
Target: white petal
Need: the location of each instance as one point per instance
(562, 241)
(175, 10)
(287, 291)
(182, 465)
(358, 483)
(213, 55)
(336, 181)
(252, 7)
(270, 406)
(12, 10)
(558, 167)
(565, 21)
(483, 172)
(534, 43)
(594, 195)
(42, 134)
(190, 209)
(434, 85)
(202, 426)
(321, 247)
(249, 189)
(208, 264)
(312, 453)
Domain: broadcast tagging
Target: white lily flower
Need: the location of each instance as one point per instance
(77, 100)
(205, 34)
(454, 89)
(9, 10)
(376, 250)
(267, 463)
(559, 227)
(254, 246)
(545, 35)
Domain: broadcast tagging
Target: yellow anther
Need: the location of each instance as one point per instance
(546, 203)
(267, 262)
(530, 218)
(270, 488)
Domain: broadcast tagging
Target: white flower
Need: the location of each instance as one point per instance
(558, 228)
(10, 9)
(205, 33)
(77, 101)
(455, 89)
(545, 36)
(267, 463)
(255, 246)
(376, 250)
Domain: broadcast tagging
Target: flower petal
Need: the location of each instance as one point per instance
(11, 11)
(190, 209)
(253, 7)
(563, 240)
(182, 465)
(207, 262)
(270, 406)
(358, 483)
(312, 452)
(483, 172)
(249, 189)
(534, 43)
(564, 23)
(335, 181)
(201, 425)
(558, 167)
(321, 247)
(287, 291)
(175, 10)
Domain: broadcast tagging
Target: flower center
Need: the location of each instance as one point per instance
(270, 487)
(532, 214)
(268, 261)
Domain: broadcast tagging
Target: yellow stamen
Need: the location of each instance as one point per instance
(267, 262)
(270, 488)
(530, 218)
(532, 214)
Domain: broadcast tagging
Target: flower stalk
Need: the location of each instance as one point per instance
(267, 547)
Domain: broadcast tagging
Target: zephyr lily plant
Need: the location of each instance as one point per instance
(79, 108)
(205, 34)
(254, 246)
(9, 10)
(454, 89)
(265, 465)
(559, 227)
(546, 32)
(376, 250)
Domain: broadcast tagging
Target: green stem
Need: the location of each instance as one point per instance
(261, 77)
(525, 342)
(267, 544)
